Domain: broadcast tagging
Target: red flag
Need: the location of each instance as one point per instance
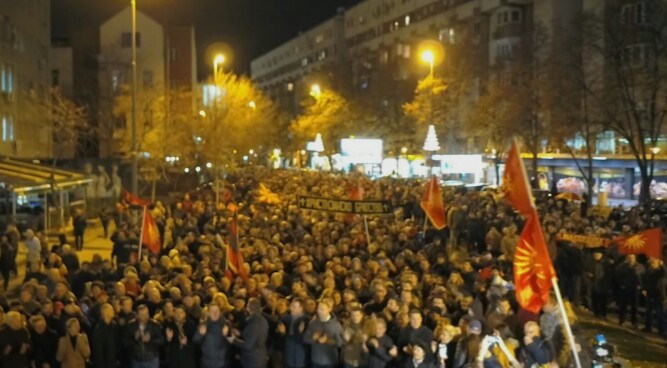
(515, 183)
(234, 257)
(151, 235)
(433, 205)
(133, 200)
(533, 270)
(647, 242)
(355, 193)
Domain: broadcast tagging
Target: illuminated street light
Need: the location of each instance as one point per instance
(186, 170)
(202, 113)
(655, 150)
(316, 91)
(428, 56)
(197, 169)
(209, 165)
(252, 105)
(404, 150)
(218, 61)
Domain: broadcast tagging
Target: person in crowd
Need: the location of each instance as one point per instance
(325, 336)
(31, 243)
(104, 339)
(142, 340)
(45, 341)
(600, 281)
(655, 280)
(15, 341)
(627, 280)
(211, 339)
(537, 351)
(381, 348)
(253, 339)
(292, 329)
(181, 350)
(6, 260)
(79, 223)
(73, 348)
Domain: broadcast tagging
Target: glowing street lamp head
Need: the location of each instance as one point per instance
(428, 56)
(316, 91)
(219, 59)
(655, 150)
(252, 105)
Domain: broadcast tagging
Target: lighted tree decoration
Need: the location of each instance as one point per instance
(431, 143)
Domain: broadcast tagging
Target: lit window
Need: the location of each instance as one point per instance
(407, 20)
(319, 38)
(290, 87)
(10, 79)
(7, 129)
(4, 78)
(406, 51)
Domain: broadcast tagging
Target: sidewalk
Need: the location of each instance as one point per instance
(93, 243)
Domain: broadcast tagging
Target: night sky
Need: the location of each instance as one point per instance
(250, 27)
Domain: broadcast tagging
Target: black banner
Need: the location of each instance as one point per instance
(345, 206)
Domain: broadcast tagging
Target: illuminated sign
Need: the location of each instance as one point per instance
(345, 206)
(362, 151)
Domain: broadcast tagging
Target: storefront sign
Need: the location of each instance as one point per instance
(585, 240)
(345, 206)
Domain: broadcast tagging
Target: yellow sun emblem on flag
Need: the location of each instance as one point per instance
(635, 242)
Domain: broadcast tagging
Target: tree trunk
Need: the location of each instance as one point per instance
(645, 188)
(535, 183)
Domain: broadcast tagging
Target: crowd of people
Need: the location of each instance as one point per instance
(317, 289)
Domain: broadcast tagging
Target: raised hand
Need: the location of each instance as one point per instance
(282, 329)
(393, 351)
(147, 337)
(24, 348)
(202, 329)
(169, 333)
(225, 330)
(302, 326)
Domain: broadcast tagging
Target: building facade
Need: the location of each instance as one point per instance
(25, 79)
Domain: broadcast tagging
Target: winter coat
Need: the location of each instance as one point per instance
(136, 348)
(324, 353)
(213, 344)
(47, 344)
(296, 350)
(73, 356)
(104, 349)
(253, 342)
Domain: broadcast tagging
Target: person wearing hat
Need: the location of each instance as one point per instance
(325, 336)
(468, 347)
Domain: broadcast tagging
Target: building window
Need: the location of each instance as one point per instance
(384, 58)
(635, 55)
(290, 87)
(304, 62)
(55, 77)
(148, 78)
(319, 38)
(7, 79)
(636, 13)
(509, 16)
(447, 35)
(126, 39)
(4, 78)
(116, 80)
(7, 128)
(407, 20)
(173, 54)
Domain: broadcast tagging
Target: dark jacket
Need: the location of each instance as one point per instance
(213, 345)
(139, 350)
(654, 282)
(103, 345)
(426, 363)
(379, 357)
(47, 346)
(182, 356)
(626, 277)
(296, 350)
(15, 339)
(324, 353)
(538, 352)
(253, 342)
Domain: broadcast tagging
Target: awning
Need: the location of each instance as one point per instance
(22, 177)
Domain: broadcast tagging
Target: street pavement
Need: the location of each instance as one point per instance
(93, 243)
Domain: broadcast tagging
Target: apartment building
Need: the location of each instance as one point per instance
(379, 54)
(25, 79)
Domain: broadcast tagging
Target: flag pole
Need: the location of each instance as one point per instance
(141, 236)
(568, 329)
(425, 224)
(368, 234)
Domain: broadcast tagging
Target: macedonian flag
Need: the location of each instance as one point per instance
(533, 269)
(515, 183)
(151, 235)
(647, 242)
(433, 205)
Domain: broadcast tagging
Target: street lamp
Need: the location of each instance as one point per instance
(316, 91)
(655, 150)
(252, 105)
(202, 113)
(218, 61)
(135, 158)
(428, 56)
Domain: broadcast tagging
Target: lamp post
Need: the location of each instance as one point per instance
(218, 61)
(316, 91)
(135, 154)
(428, 56)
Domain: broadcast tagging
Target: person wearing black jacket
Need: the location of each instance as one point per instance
(654, 290)
(413, 334)
(79, 223)
(292, 328)
(104, 338)
(381, 349)
(600, 281)
(252, 341)
(14, 342)
(181, 352)
(46, 342)
(628, 284)
(142, 340)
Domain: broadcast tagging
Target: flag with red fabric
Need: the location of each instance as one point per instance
(234, 257)
(133, 200)
(515, 183)
(533, 269)
(355, 193)
(150, 237)
(433, 205)
(647, 242)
